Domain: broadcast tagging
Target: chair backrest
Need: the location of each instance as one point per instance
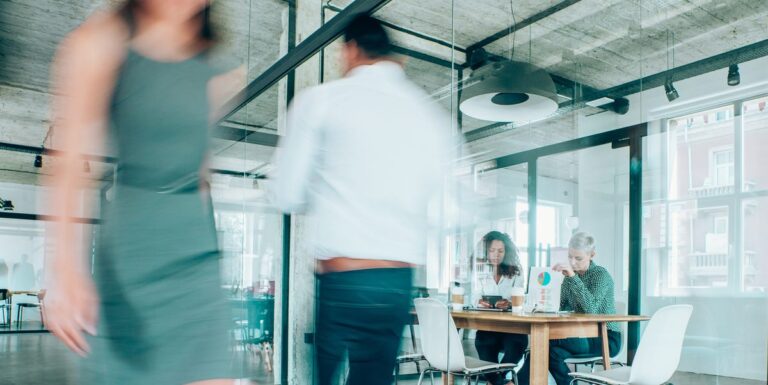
(440, 341)
(659, 352)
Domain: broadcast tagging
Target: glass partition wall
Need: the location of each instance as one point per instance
(625, 169)
(699, 223)
(667, 179)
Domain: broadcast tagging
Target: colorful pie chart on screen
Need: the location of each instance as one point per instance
(544, 278)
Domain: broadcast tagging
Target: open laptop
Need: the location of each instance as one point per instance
(544, 290)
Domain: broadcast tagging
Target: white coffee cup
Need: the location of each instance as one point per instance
(517, 299)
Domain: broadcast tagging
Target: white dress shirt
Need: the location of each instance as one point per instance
(364, 156)
(487, 285)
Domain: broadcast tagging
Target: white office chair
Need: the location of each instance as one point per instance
(414, 358)
(442, 348)
(657, 356)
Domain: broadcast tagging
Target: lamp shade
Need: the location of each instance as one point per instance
(509, 91)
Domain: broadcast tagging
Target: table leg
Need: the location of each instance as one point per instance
(539, 354)
(606, 350)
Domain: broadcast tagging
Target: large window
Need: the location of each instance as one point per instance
(702, 228)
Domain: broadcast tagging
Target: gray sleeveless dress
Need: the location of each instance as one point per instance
(164, 318)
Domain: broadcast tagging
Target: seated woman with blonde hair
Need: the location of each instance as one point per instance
(587, 288)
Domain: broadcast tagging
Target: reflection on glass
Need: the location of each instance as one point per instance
(701, 154)
(24, 248)
(702, 243)
(754, 259)
(755, 125)
(698, 246)
(23, 254)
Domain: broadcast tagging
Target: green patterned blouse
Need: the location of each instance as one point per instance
(591, 293)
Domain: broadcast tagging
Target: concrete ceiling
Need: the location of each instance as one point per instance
(599, 43)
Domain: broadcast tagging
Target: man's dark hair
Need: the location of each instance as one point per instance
(369, 35)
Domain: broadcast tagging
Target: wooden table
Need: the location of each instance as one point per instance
(541, 328)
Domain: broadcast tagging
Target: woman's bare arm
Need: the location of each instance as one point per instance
(83, 76)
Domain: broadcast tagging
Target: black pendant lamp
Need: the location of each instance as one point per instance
(509, 91)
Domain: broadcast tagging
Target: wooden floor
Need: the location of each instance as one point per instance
(39, 359)
(23, 327)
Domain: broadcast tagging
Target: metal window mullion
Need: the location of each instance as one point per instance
(665, 197)
(736, 259)
(634, 295)
(532, 205)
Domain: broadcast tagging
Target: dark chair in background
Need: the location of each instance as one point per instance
(259, 330)
(5, 306)
(38, 304)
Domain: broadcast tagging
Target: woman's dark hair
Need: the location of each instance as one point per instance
(369, 35)
(510, 265)
(128, 13)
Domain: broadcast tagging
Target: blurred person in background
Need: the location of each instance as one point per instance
(23, 275)
(4, 282)
(363, 155)
(153, 311)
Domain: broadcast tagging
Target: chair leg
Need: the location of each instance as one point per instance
(266, 351)
(421, 376)
(19, 310)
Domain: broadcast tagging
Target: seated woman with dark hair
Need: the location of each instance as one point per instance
(501, 253)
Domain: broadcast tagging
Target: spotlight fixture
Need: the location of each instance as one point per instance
(670, 90)
(733, 75)
(6, 205)
(39, 161)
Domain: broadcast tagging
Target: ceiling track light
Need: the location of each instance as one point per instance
(670, 90)
(734, 79)
(6, 205)
(38, 161)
